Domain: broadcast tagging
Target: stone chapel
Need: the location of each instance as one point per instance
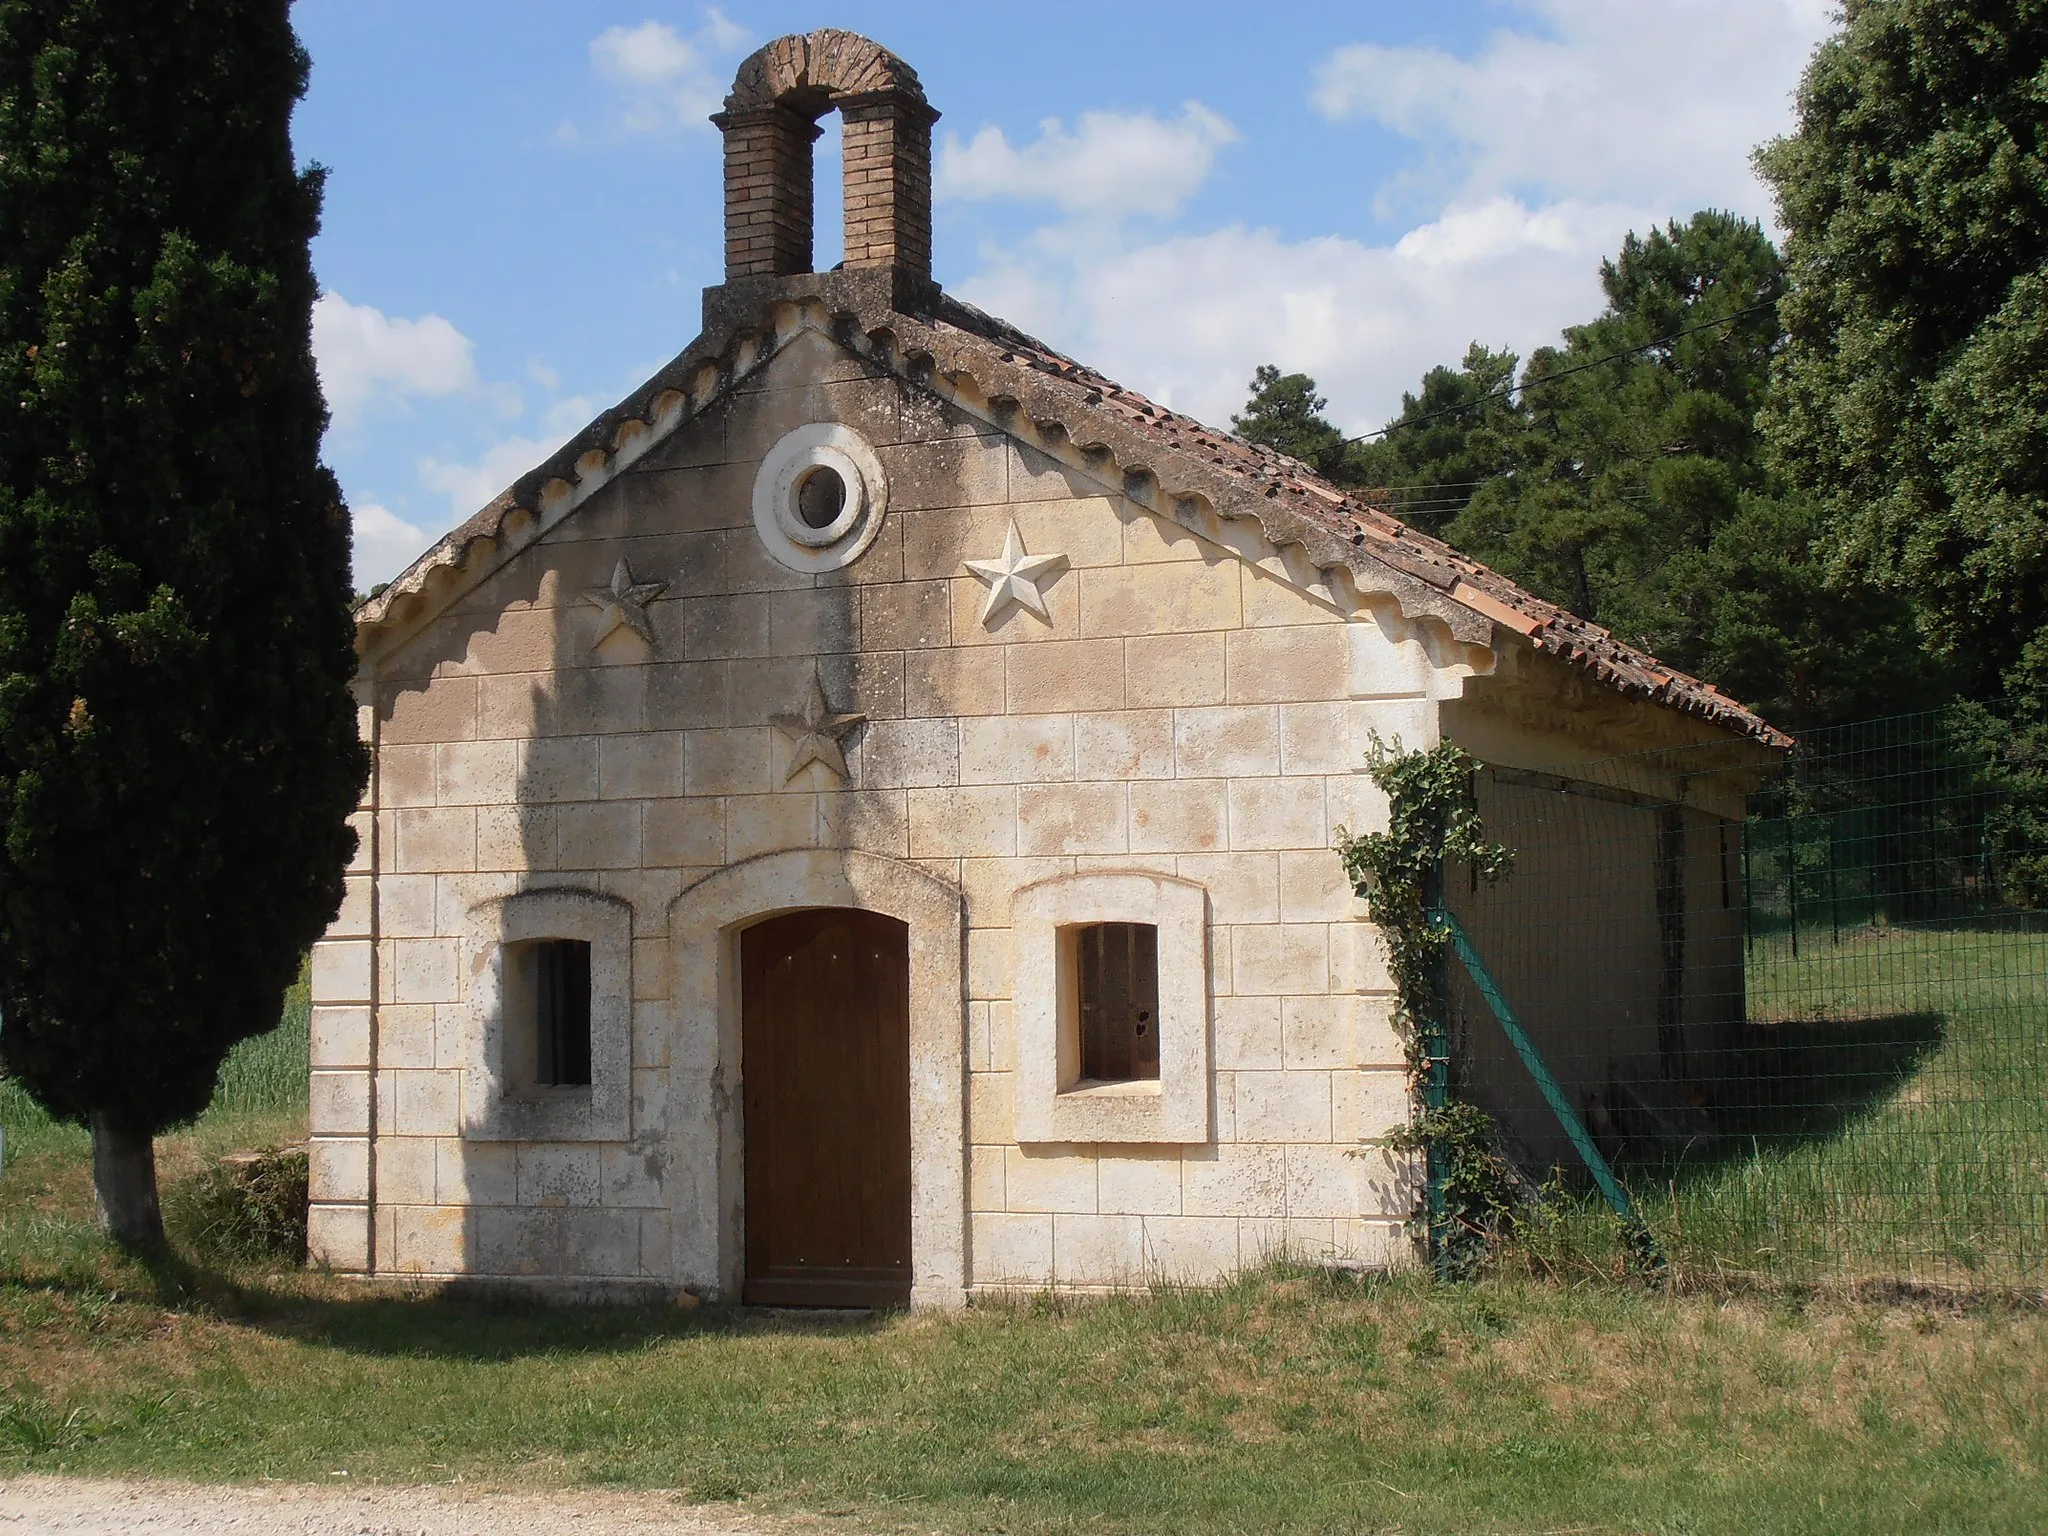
(854, 827)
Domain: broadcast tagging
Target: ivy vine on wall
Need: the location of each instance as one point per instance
(1433, 819)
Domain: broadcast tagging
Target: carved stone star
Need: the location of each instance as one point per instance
(1015, 577)
(817, 731)
(624, 602)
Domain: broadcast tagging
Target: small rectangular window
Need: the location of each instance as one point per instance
(1117, 974)
(561, 1013)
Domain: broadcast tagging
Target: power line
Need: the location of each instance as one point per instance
(1563, 373)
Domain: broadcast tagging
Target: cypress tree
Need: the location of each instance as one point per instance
(178, 754)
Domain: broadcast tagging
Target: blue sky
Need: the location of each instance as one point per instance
(523, 206)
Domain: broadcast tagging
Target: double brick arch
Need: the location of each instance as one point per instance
(770, 122)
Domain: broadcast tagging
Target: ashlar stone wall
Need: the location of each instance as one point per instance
(1178, 709)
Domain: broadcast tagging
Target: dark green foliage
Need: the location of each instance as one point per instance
(246, 1210)
(1286, 413)
(177, 746)
(1482, 1196)
(1624, 477)
(1914, 398)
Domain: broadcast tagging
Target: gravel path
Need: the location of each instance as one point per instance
(46, 1506)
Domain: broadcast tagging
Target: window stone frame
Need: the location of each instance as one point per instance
(1050, 1105)
(493, 1109)
(819, 445)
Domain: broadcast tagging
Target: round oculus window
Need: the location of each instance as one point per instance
(819, 497)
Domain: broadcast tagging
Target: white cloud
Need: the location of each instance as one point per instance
(1187, 319)
(1111, 163)
(1649, 101)
(366, 357)
(385, 544)
(470, 486)
(667, 81)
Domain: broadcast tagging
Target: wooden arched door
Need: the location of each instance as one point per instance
(825, 1068)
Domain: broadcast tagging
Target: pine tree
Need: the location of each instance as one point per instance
(178, 753)
(1285, 412)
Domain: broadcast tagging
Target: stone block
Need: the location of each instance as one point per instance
(1381, 1244)
(756, 824)
(429, 1240)
(405, 906)
(989, 1119)
(1316, 1033)
(599, 700)
(1177, 599)
(1270, 602)
(1132, 1182)
(1191, 1250)
(1358, 959)
(963, 823)
(1367, 1104)
(1227, 742)
(427, 1103)
(434, 841)
(338, 1103)
(648, 766)
(443, 709)
(951, 472)
(1384, 665)
(1276, 814)
(425, 971)
(874, 821)
(1325, 738)
(989, 884)
(985, 1178)
(1017, 749)
(1322, 1182)
(1278, 666)
(558, 768)
(1234, 1180)
(340, 1037)
(1098, 1250)
(1372, 1027)
(907, 616)
(364, 825)
(687, 695)
(1124, 745)
(1248, 1034)
(342, 971)
(338, 1170)
(1242, 887)
(1282, 1106)
(1390, 1183)
(1038, 476)
(910, 754)
(682, 834)
(476, 772)
(1048, 1179)
(476, 1172)
(1072, 818)
(964, 680)
(555, 1174)
(633, 1173)
(517, 838)
(405, 1170)
(1181, 671)
(405, 1036)
(1057, 676)
(818, 621)
(1085, 532)
(988, 963)
(1149, 539)
(405, 776)
(720, 628)
(338, 1237)
(1315, 889)
(1355, 805)
(1178, 816)
(1011, 1249)
(657, 1244)
(725, 762)
(938, 544)
(1279, 960)
(605, 835)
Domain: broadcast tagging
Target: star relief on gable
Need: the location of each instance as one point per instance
(1016, 577)
(622, 604)
(818, 732)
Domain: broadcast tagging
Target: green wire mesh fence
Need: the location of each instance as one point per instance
(1801, 1007)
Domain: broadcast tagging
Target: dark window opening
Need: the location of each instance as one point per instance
(1117, 978)
(820, 498)
(561, 1013)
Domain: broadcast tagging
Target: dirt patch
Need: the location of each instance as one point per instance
(46, 1506)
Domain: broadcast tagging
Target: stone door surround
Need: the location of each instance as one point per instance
(708, 1172)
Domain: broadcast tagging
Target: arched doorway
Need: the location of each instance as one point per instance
(825, 1073)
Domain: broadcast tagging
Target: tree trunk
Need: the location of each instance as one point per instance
(124, 1183)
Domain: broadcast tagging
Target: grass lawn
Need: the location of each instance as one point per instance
(1292, 1401)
